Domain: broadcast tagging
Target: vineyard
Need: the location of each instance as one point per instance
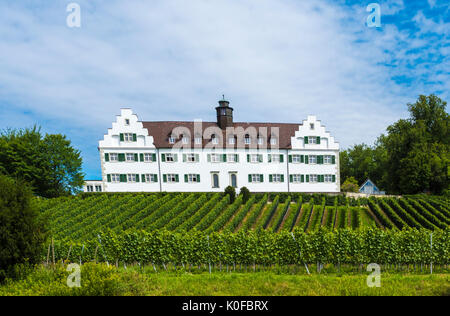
(83, 217)
(277, 228)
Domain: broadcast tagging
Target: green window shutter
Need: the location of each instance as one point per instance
(333, 178)
(121, 157)
(291, 178)
(184, 157)
(186, 178)
(121, 137)
(281, 158)
(302, 178)
(302, 158)
(165, 177)
(282, 178)
(249, 178)
(224, 158)
(322, 178)
(333, 160)
(306, 139)
(136, 157)
(261, 178)
(153, 157)
(248, 157)
(290, 158)
(236, 157)
(306, 159)
(320, 160)
(141, 157)
(123, 178)
(137, 178)
(197, 158)
(270, 178)
(318, 139)
(177, 179)
(307, 178)
(143, 177)
(260, 158)
(108, 176)
(134, 138)
(175, 157)
(163, 158)
(106, 157)
(269, 158)
(198, 178)
(209, 157)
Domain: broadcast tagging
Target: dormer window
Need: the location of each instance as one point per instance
(214, 139)
(260, 140)
(171, 140)
(198, 140)
(231, 140)
(247, 140)
(311, 125)
(185, 140)
(273, 140)
(127, 122)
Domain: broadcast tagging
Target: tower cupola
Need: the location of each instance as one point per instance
(224, 114)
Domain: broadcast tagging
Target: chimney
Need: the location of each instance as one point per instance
(224, 114)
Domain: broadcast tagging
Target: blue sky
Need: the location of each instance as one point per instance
(275, 60)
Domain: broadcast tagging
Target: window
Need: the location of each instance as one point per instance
(273, 140)
(312, 140)
(231, 140)
(149, 178)
(260, 140)
(327, 159)
(127, 122)
(328, 178)
(312, 159)
(247, 140)
(313, 178)
(113, 157)
(131, 177)
(170, 157)
(233, 158)
(128, 137)
(90, 188)
(274, 158)
(148, 157)
(254, 158)
(185, 140)
(255, 178)
(276, 178)
(115, 177)
(214, 139)
(296, 158)
(98, 188)
(215, 158)
(192, 178)
(223, 112)
(215, 180)
(311, 125)
(172, 177)
(172, 140)
(130, 157)
(191, 157)
(198, 140)
(297, 178)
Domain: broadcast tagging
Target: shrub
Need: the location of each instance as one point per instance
(245, 194)
(231, 192)
(22, 232)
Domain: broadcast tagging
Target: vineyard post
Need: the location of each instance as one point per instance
(300, 253)
(82, 250)
(53, 251)
(209, 259)
(48, 253)
(431, 252)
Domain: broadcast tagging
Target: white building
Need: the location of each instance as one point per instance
(208, 156)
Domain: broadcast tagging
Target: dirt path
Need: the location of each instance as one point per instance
(377, 221)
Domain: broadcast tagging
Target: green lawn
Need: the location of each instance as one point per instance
(103, 280)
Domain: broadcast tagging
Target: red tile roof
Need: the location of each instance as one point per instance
(163, 129)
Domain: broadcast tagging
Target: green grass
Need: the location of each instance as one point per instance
(102, 280)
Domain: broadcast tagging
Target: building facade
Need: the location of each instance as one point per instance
(189, 156)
